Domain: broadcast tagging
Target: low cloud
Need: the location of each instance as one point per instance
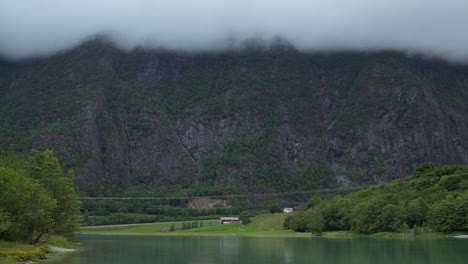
(44, 27)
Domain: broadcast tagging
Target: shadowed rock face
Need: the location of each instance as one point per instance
(252, 120)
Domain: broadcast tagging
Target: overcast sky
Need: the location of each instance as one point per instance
(43, 27)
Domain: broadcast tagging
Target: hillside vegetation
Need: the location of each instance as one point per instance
(431, 199)
(234, 122)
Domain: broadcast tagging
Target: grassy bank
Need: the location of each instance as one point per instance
(13, 252)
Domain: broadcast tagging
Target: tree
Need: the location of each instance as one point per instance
(313, 201)
(244, 217)
(45, 167)
(286, 222)
(366, 216)
(36, 197)
(315, 221)
(27, 207)
(275, 207)
(450, 214)
(391, 218)
(5, 221)
(416, 212)
(298, 222)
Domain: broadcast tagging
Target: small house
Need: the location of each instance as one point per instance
(228, 220)
(289, 210)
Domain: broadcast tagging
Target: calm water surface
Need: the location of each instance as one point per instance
(259, 250)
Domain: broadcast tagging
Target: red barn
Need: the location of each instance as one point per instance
(227, 220)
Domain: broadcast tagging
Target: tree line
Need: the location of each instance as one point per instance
(432, 199)
(37, 199)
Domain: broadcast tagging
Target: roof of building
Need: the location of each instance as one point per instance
(229, 218)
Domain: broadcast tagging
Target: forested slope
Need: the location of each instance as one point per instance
(431, 199)
(250, 121)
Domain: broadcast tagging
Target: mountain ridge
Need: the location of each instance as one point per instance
(235, 121)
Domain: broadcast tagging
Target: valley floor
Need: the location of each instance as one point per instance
(262, 225)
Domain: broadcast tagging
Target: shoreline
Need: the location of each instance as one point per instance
(32, 255)
(62, 250)
(335, 234)
(196, 234)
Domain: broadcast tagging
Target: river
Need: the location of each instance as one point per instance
(258, 250)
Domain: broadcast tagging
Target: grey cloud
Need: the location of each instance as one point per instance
(431, 27)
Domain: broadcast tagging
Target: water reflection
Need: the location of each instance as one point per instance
(245, 250)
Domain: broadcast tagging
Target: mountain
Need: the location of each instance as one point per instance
(249, 121)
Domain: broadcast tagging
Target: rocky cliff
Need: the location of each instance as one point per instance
(257, 120)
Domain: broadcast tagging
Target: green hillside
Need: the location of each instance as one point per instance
(431, 199)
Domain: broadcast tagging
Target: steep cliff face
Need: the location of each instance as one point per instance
(250, 121)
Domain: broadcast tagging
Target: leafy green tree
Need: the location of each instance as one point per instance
(45, 167)
(313, 201)
(416, 212)
(450, 214)
(391, 218)
(332, 211)
(366, 216)
(286, 222)
(85, 219)
(5, 221)
(28, 205)
(450, 183)
(316, 222)
(244, 217)
(36, 197)
(298, 222)
(275, 207)
(425, 167)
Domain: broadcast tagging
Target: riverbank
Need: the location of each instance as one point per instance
(13, 252)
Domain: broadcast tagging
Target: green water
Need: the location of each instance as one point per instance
(258, 250)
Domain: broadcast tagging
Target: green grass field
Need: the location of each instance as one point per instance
(268, 224)
(261, 225)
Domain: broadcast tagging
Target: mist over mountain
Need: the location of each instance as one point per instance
(205, 96)
(428, 27)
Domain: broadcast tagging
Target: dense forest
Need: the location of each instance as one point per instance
(37, 199)
(432, 198)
